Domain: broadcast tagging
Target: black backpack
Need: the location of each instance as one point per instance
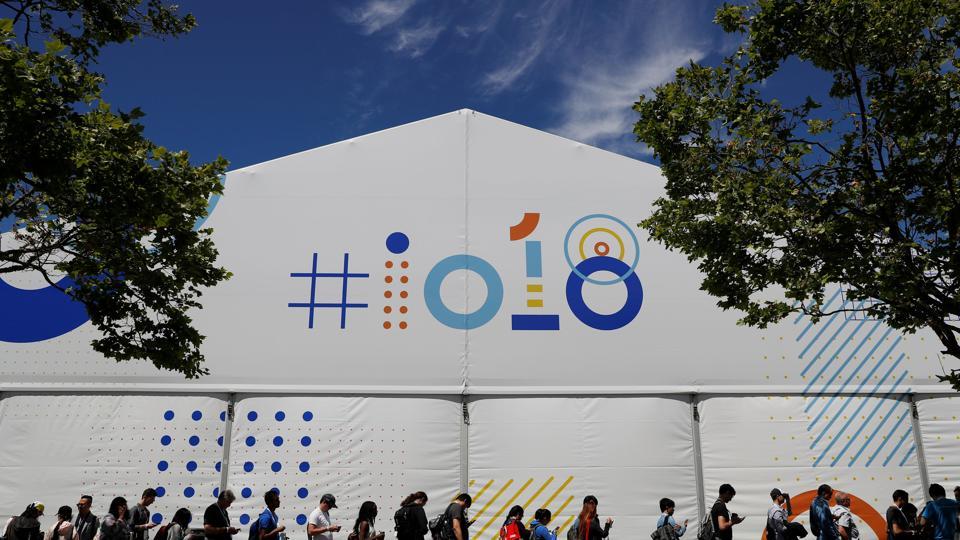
(162, 533)
(401, 520)
(437, 526)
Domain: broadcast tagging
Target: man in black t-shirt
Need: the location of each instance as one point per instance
(898, 526)
(723, 521)
(216, 521)
(455, 518)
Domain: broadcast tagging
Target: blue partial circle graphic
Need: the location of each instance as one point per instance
(398, 242)
(28, 316)
(601, 321)
(216, 492)
(463, 321)
(218, 466)
(585, 276)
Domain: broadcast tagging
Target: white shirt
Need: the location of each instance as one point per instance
(66, 532)
(321, 519)
(845, 519)
(776, 519)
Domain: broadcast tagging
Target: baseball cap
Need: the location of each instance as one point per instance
(775, 493)
(38, 505)
(329, 499)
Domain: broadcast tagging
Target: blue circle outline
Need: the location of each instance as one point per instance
(622, 317)
(587, 278)
(463, 321)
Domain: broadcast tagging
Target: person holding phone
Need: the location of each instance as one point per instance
(319, 526)
(723, 520)
(538, 527)
(216, 520)
(363, 528)
(667, 508)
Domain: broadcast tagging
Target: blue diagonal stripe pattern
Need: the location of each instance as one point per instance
(906, 434)
(879, 426)
(810, 324)
(885, 440)
(913, 448)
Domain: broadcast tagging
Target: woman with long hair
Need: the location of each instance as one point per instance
(177, 528)
(113, 526)
(411, 519)
(62, 529)
(588, 523)
(363, 528)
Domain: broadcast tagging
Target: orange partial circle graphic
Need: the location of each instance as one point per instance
(859, 507)
(601, 249)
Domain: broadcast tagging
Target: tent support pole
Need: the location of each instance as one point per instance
(464, 444)
(918, 444)
(227, 436)
(697, 457)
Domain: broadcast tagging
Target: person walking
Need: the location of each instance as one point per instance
(513, 527)
(941, 512)
(410, 521)
(899, 526)
(455, 518)
(846, 525)
(86, 523)
(139, 520)
(26, 526)
(268, 524)
(588, 522)
(62, 529)
(821, 518)
(364, 528)
(723, 520)
(114, 525)
(177, 528)
(538, 527)
(319, 526)
(216, 520)
(667, 507)
(777, 524)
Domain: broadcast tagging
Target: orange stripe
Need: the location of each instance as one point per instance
(505, 506)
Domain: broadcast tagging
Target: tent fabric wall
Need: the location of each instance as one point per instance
(53, 448)
(358, 448)
(549, 452)
(940, 427)
(759, 443)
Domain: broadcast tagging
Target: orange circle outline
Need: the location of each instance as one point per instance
(860, 508)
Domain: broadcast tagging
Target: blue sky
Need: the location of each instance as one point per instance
(254, 84)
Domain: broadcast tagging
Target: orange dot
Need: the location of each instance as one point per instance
(387, 309)
(403, 309)
(403, 294)
(404, 264)
(387, 294)
(386, 325)
(403, 325)
(403, 279)
(389, 264)
(388, 279)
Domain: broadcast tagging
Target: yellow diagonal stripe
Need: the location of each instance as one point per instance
(563, 506)
(471, 483)
(495, 497)
(566, 523)
(505, 506)
(534, 496)
(534, 288)
(557, 492)
(483, 490)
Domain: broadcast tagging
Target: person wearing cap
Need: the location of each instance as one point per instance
(319, 526)
(86, 523)
(26, 526)
(777, 516)
(846, 526)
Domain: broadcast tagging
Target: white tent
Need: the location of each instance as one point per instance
(463, 303)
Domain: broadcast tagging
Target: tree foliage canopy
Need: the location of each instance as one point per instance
(859, 187)
(87, 195)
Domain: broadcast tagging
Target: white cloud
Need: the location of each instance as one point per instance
(378, 14)
(416, 40)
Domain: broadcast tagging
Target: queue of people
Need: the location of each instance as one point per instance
(938, 520)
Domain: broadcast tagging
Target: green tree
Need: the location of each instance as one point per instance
(87, 196)
(776, 201)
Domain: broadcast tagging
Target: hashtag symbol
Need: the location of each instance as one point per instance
(312, 305)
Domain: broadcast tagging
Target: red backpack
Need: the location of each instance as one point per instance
(510, 530)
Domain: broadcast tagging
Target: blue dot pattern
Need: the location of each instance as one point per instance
(217, 466)
(216, 492)
(398, 242)
(278, 441)
(280, 416)
(302, 493)
(301, 519)
(157, 519)
(248, 466)
(168, 416)
(304, 466)
(220, 440)
(305, 441)
(252, 416)
(197, 415)
(165, 440)
(307, 416)
(194, 440)
(251, 440)
(162, 466)
(191, 466)
(275, 466)
(246, 492)
(188, 492)
(244, 519)
(161, 491)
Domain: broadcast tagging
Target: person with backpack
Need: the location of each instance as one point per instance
(455, 524)
(26, 526)
(721, 519)
(941, 512)
(62, 529)
(410, 521)
(899, 525)
(846, 525)
(777, 524)
(822, 523)
(588, 522)
(86, 524)
(363, 527)
(177, 528)
(139, 520)
(267, 526)
(667, 508)
(114, 526)
(538, 527)
(513, 528)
